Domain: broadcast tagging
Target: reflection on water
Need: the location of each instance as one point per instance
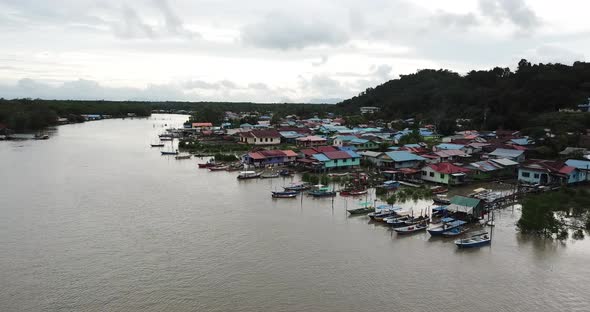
(94, 219)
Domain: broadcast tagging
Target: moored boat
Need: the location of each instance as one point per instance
(287, 194)
(389, 185)
(454, 232)
(476, 240)
(269, 175)
(169, 152)
(411, 228)
(322, 192)
(297, 187)
(157, 145)
(218, 168)
(208, 164)
(441, 201)
(244, 175)
(285, 173)
(438, 230)
(183, 156)
(438, 190)
(353, 192)
(363, 209)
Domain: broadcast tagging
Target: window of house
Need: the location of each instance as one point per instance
(442, 175)
(525, 174)
(423, 173)
(536, 175)
(432, 174)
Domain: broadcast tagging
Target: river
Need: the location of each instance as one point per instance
(93, 219)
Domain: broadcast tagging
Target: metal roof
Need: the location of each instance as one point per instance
(400, 156)
(449, 146)
(580, 164)
(320, 157)
(508, 153)
(465, 201)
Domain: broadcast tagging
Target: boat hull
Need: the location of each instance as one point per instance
(472, 244)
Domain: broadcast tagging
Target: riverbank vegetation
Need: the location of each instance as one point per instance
(34, 114)
(405, 194)
(554, 213)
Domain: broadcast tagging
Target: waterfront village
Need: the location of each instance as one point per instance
(414, 161)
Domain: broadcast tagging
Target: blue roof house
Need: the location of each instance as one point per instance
(401, 159)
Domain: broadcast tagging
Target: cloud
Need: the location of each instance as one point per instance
(515, 11)
(323, 60)
(454, 20)
(285, 32)
(173, 23)
(133, 26)
(554, 54)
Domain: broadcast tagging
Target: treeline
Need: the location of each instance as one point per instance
(34, 114)
(491, 99)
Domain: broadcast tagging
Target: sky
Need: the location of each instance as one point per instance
(267, 50)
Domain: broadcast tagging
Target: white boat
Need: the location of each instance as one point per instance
(411, 228)
(476, 240)
(248, 175)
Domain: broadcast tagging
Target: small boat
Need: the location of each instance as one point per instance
(438, 230)
(297, 187)
(41, 136)
(389, 185)
(269, 175)
(454, 232)
(353, 192)
(157, 145)
(441, 201)
(322, 192)
(244, 175)
(169, 152)
(183, 156)
(397, 221)
(208, 164)
(476, 240)
(288, 194)
(438, 190)
(235, 167)
(218, 168)
(411, 228)
(363, 209)
(439, 211)
(166, 139)
(285, 173)
(417, 220)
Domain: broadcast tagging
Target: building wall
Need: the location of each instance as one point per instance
(532, 176)
(577, 176)
(261, 141)
(428, 174)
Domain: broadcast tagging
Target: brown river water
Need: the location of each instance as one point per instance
(96, 220)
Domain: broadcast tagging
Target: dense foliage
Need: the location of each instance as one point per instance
(29, 114)
(492, 99)
(555, 212)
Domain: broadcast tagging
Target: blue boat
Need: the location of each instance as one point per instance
(476, 240)
(439, 211)
(389, 185)
(454, 232)
(322, 192)
(286, 194)
(439, 230)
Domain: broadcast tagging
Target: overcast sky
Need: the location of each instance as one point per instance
(268, 50)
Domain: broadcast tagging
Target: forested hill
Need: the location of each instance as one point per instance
(506, 99)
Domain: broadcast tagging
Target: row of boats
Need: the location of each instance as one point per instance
(294, 189)
(405, 223)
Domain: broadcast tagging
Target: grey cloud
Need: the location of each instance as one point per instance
(258, 86)
(133, 26)
(199, 84)
(447, 19)
(515, 11)
(174, 24)
(554, 54)
(284, 32)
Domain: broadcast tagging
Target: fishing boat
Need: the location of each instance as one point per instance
(218, 168)
(169, 152)
(209, 164)
(166, 138)
(285, 173)
(438, 230)
(288, 194)
(183, 156)
(438, 190)
(235, 167)
(364, 208)
(41, 136)
(411, 228)
(269, 175)
(157, 145)
(441, 201)
(389, 185)
(297, 187)
(454, 232)
(476, 240)
(382, 215)
(416, 220)
(244, 175)
(353, 192)
(322, 192)
(396, 221)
